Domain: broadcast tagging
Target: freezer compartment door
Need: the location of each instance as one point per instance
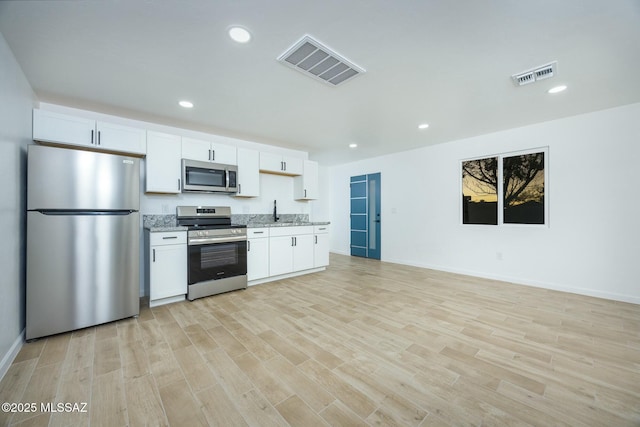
(81, 271)
(61, 178)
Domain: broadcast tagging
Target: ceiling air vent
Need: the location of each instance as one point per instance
(539, 73)
(312, 58)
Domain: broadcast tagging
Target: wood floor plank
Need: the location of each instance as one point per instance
(108, 406)
(106, 356)
(284, 347)
(55, 350)
(353, 398)
(200, 338)
(227, 373)
(219, 410)
(337, 414)
(163, 364)
(257, 411)
(227, 341)
(311, 392)
(42, 387)
(144, 403)
(181, 406)
(254, 344)
(75, 386)
(267, 382)
(195, 368)
(297, 413)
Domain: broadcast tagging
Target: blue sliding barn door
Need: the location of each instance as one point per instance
(365, 215)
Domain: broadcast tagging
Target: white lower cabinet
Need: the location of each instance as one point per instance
(290, 249)
(320, 245)
(257, 253)
(166, 266)
(273, 252)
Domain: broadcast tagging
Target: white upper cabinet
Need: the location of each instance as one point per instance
(248, 173)
(120, 138)
(208, 151)
(163, 167)
(69, 130)
(305, 187)
(282, 165)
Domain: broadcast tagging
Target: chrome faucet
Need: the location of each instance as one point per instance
(275, 212)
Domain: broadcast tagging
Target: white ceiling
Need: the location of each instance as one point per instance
(447, 63)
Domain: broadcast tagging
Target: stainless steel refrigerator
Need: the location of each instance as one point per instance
(82, 239)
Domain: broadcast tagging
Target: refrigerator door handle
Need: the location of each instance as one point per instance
(61, 212)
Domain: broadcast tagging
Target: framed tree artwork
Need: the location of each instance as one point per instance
(505, 189)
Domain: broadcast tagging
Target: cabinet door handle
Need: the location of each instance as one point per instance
(258, 232)
(169, 237)
(209, 157)
(98, 137)
(239, 188)
(316, 239)
(154, 255)
(178, 184)
(248, 245)
(285, 166)
(213, 154)
(305, 193)
(91, 136)
(292, 241)
(281, 165)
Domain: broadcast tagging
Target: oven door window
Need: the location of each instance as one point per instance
(206, 177)
(217, 261)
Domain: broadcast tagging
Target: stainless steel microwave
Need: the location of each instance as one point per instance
(208, 177)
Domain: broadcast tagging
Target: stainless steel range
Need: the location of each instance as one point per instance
(217, 250)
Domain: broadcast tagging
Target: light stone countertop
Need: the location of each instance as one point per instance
(164, 229)
(286, 224)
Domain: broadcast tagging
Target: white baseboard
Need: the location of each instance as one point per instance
(167, 300)
(524, 282)
(8, 358)
(284, 276)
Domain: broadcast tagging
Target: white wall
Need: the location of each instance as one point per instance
(592, 243)
(16, 102)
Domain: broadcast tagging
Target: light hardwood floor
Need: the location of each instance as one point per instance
(363, 343)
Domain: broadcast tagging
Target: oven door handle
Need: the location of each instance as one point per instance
(209, 240)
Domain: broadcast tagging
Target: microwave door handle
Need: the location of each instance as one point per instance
(227, 173)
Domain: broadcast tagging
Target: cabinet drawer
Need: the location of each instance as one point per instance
(290, 231)
(319, 229)
(168, 238)
(256, 233)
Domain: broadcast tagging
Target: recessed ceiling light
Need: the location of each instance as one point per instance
(557, 89)
(423, 126)
(353, 145)
(185, 104)
(239, 34)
